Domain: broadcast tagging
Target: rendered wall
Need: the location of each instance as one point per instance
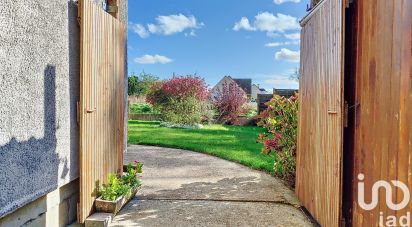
(39, 88)
(57, 208)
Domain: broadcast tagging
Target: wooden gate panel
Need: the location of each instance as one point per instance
(383, 129)
(101, 106)
(319, 155)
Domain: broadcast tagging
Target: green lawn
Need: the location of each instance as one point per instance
(234, 143)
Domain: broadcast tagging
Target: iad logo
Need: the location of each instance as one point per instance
(375, 194)
(390, 220)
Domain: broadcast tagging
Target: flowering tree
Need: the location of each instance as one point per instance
(280, 120)
(180, 99)
(230, 102)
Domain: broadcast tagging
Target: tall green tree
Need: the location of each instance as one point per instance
(139, 85)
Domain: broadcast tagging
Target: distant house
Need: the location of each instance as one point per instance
(285, 92)
(263, 98)
(244, 84)
(256, 91)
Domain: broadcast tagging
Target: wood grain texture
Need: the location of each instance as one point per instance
(319, 155)
(101, 107)
(383, 128)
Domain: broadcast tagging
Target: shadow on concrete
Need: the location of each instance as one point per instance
(210, 204)
(192, 189)
(210, 213)
(227, 189)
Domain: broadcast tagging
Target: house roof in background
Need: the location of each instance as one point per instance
(245, 84)
(285, 92)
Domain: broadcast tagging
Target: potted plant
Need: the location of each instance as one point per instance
(119, 189)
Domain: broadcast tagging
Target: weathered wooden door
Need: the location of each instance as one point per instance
(383, 113)
(320, 136)
(101, 106)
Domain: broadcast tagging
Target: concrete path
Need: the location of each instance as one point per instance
(185, 188)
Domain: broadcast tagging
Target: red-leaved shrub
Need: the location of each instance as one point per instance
(180, 99)
(186, 86)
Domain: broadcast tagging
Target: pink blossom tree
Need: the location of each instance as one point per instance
(230, 102)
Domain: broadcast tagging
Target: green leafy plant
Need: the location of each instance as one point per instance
(114, 188)
(280, 120)
(131, 177)
(119, 186)
(139, 166)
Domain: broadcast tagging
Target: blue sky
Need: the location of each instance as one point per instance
(255, 39)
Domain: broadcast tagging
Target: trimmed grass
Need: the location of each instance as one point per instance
(234, 143)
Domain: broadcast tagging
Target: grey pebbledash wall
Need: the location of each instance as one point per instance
(39, 88)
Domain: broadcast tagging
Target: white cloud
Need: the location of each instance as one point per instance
(287, 55)
(269, 23)
(277, 44)
(243, 24)
(282, 82)
(273, 34)
(278, 2)
(191, 33)
(153, 59)
(293, 36)
(140, 30)
(275, 23)
(168, 25)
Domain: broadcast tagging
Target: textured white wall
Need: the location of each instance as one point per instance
(39, 79)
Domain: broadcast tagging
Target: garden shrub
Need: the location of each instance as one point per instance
(139, 85)
(208, 113)
(141, 108)
(186, 110)
(230, 103)
(280, 120)
(251, 112)
(181, 99)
